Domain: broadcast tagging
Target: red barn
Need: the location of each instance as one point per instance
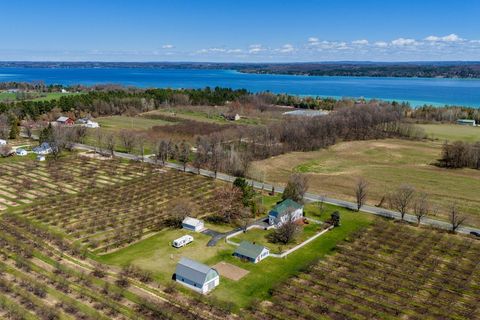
(65, 121)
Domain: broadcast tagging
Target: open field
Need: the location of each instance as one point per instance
(133, 123)
(385, 164)
(451, 132)
(11, 96)
(391, 271)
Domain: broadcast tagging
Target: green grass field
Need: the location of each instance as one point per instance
(157, 255)
(451, 132)
(385, 164)
(124, 122)
(48, 96)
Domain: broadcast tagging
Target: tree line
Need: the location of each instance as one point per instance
(460, 154)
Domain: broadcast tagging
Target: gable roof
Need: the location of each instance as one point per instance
(193, 270)
(250, 250)
(63, 119)
(192, 221)
(283, 207)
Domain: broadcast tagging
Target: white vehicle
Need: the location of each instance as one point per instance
(3, 142)
(21, 152)
(182, 241)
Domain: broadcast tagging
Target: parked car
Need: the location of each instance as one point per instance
(475, 233)
(21, 152)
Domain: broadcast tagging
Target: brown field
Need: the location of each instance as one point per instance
(230, 271)
(385, 164)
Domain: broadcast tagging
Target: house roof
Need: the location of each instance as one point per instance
(62, 119)
(193, 270)
(284, 207)
(192, 221)
(250, 250)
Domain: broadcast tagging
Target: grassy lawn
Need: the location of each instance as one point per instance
(451, 132)
(48, 96)
(124, 122)
(385, 164)
(260, 236)
(157, 255)
(204, 116)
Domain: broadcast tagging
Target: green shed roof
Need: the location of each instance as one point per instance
(250, 250)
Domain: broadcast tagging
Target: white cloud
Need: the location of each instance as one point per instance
(381, 44)
(448, 38)
(404, 42)
(287, 48)
(313, 40)
(168, 46)
(255, 48)
(360, 42)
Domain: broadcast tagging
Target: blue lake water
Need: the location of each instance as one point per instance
(417, 91)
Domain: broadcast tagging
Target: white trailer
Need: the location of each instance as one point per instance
(182, 241)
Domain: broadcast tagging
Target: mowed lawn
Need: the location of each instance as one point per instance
(125, 122)
(157, 255)
(385, 164)
(451, 132)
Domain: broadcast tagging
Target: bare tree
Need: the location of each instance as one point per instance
(184, 154)
(321, 204)
(110, 142)
(296, 187)
(361, 192)
(162, 151)
(216, 157)
(180, 209)
(456, 218)
(128, 140)
(229, 203)
(421, 207)
(402, 198)
(286, 232)
(99, 138)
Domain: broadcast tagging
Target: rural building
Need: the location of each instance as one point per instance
(43, 149)
(305, 113)
(65, 121)
(40, 157)
(182, 241)
(466, 122)
(21, 152)
(3, 142)
(192, 224)
(251, 252)
(196, 275)
(92, 124)
(284, 211)
(231, 117)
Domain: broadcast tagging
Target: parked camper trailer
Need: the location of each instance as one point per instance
(182, 241)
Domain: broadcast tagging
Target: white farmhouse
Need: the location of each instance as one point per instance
(284, 211)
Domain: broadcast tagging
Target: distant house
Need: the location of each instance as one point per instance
(466, 122)
(192, 224)
(196, 275)
(43, 149)
(40, 157)
(284, 211)
(3, 142)
(231, 117)
(92, 124)
(251, 252)
(65, 121)
(21, 152)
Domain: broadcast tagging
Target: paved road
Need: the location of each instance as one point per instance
(308, 196)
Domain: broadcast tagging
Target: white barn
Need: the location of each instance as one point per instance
(192, 224)
(196, 276)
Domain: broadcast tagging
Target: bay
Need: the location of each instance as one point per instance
(416, 91)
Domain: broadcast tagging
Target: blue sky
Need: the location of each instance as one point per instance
(244, 31)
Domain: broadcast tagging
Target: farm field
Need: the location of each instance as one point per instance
(385, 164)
(24, 180)
(124, 122)
(48, 96)
(391, 271)
(451, 132)
(123, 213)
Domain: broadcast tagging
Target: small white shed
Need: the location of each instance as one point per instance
(192, 224)
(3, 142)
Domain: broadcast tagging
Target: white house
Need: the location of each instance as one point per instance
(196, 275)
(251, 252)
(40, 157)
(92, 124)
(192, 224)
(284, 211)
(3, 142)
(43, 149)
(21, 152)
(182, 241)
